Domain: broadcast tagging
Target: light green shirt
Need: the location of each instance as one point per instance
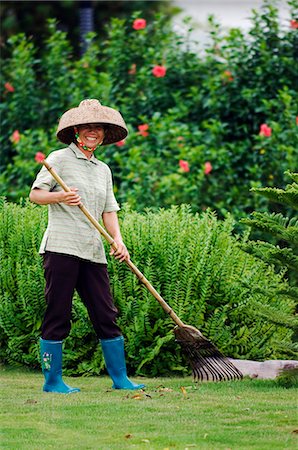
(69, 231)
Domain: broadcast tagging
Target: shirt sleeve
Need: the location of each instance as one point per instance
(44, 180)
(111, 203)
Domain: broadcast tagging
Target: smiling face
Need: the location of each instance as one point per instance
(91, 134)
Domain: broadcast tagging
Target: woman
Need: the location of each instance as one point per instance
(72, 248)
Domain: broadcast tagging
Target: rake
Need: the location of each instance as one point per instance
(206, 361)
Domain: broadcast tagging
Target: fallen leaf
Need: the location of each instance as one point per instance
(30, 401)
(137, 397)
(128, 436)
(295, 431)
(183, 391)
(146, 441)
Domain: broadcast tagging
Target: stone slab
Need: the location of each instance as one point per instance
(263, 370)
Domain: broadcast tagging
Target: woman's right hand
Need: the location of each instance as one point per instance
(71, 198)
(43, 197)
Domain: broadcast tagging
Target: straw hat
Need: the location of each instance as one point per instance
(91, 111)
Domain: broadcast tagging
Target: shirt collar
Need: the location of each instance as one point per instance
(80, 155)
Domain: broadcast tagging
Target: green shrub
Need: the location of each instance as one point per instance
(277, 242)
(282, 250)
(207, 109)
(22, 170)
(194, 261)
(288, 378)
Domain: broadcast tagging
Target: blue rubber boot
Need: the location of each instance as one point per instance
(51, 361)
(113, 352)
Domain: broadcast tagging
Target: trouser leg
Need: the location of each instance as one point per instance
(61, 274)
(94, 289)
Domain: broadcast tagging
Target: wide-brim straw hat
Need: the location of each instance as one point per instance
(91, 111)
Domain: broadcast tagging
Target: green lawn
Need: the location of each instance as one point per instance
(172, 413)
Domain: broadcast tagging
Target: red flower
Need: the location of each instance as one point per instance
(143, 129)
(139, 24)
(294, 24)
(265, 130)
(228, 75)
(207, 167)
(184, 166)
(159, 71)
(39, 157)
(120, 143)
(133, 69)
(9, 87)
(15, 137)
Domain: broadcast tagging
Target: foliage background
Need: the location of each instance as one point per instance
(30, 17)
(203, 145)
(206, 277)
(207, 109)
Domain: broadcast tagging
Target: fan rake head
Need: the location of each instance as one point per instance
(206, 361)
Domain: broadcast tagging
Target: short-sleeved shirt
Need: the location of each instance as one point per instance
(69, 231)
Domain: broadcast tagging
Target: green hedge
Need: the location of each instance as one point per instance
(206, 143)
(194, 261)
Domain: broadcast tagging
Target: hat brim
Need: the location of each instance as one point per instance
(113, 133)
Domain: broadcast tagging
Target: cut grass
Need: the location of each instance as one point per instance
(172, 413)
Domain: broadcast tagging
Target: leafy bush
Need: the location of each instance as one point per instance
(218, 123)
(283, 252)
(288, 378)
(282, 233)
(194, 261)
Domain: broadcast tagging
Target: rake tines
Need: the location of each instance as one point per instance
(206, 361)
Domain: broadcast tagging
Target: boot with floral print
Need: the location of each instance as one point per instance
(51, 361)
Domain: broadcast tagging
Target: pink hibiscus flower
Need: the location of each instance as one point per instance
(139, 24)
(159, 71)
(184, 166)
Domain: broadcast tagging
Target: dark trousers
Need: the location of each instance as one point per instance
(64, 274)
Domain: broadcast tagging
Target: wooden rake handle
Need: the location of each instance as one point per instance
(111, 241)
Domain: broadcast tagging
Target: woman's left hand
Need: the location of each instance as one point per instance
(121, 253)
